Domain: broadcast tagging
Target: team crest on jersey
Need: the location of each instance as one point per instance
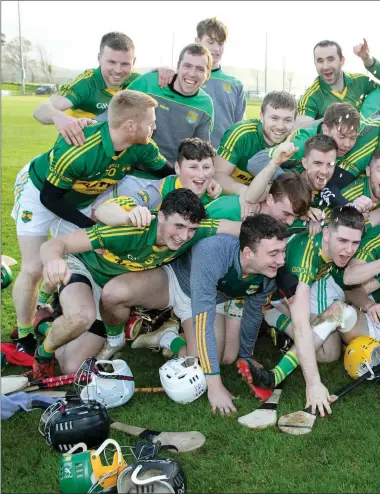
(252, 289)
(192, 117)
(144, 195)
(126, 169)
(227, 88)
(26, 216)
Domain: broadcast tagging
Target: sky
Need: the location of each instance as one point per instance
(71, 31)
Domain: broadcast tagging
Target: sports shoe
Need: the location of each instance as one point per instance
(256, 377)
(152, 340)
(42, 368)
(28, 344)
(43, 313)
(280, 340)
(107, 350)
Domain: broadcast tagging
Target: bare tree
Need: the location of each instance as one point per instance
(45, 63)
(289, 81)
(3, 39)
(11, 53)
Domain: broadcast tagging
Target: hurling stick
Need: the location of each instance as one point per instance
(180, 442)
(71, 394)
(263, 416)
(302, 422)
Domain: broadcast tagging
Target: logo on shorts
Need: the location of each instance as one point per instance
(26, 216)
(192, 117)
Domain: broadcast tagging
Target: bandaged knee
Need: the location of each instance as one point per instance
(346, 322)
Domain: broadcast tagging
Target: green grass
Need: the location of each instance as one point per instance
(16, 89)
(340, 456)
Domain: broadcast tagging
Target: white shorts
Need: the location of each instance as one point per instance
(76, 266)
(323, 293)
(32, 218)
(181, 303)
(373, 328)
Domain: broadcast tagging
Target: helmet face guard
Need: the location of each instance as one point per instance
(361, 356)
(159, 476)
(112, 389)
(67, 423)
(183, 379)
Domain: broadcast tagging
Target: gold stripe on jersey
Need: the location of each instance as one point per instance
(241, 176)
(82, 150)
(128, 264)
(67, 155)
(354, 192)
(309, 92)
(369, 148)
(87, 74)
(366, 252)
(306, 261)
(200, 331)
(341, 95)
(356, 76)
(235, 135)
(97, 231)
(125, 202)
(77, 113)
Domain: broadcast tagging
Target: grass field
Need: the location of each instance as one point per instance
(340, 456)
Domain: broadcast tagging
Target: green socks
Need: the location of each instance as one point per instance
(44, 353)
(114, 330)
(24, 329)
(287, 364)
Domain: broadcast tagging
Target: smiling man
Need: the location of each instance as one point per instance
(332, 84)
(244, 139)
(184, 109)
(90, 93)
(311, 259)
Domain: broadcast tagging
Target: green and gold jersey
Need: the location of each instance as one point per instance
(319, 95)
(239, 143)
(89, 93)
(225, 207)
(89, 170)
(306, 259)
(235, 286)
(177, 116)
(133, 249)
(369, 249)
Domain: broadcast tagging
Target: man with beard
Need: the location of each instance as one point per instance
(332, 84)
(244, 139)
(63, 182)
(311, 259)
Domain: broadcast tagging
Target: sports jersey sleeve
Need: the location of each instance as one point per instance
(299, 139)
(150, 156)
(207, 228)
(241, 104)
(375, 71)
(107, 237)
(204, 129)
(226, 207)
(67, 162)
(232, 146)
(253, 313)
(77, 91)
(149, 197)
(139, 84)
(302, 259)
(308, 103)
(209, 263)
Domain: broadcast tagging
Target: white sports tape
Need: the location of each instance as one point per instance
(346, 323)
(349, 319)
(324, 329)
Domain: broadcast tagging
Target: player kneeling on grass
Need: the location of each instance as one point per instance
(201, 285)
(165, 235)
(310, 259)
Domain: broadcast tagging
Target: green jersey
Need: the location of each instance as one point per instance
(89, 93)
(369, 249)
(152, 196)
(320, 95)
(305, 258)
(229, 102)
(177, 116)
(239, 143)
(225, 207)
(237, 286)
(89, 170)
(133, 249)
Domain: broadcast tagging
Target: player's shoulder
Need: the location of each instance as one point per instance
(85, 78)
(355, 75)
(313, 88)
(149, 79)
(221, 244)
(242, 129)
(223, 76)
(204, 100)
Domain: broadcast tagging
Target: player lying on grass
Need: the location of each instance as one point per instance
(332, 84)
(168, 233)
(199, 287)
(310, 259)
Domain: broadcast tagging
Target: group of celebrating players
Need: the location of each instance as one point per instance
(158, 193)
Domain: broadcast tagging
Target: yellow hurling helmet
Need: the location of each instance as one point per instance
(362, 354)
